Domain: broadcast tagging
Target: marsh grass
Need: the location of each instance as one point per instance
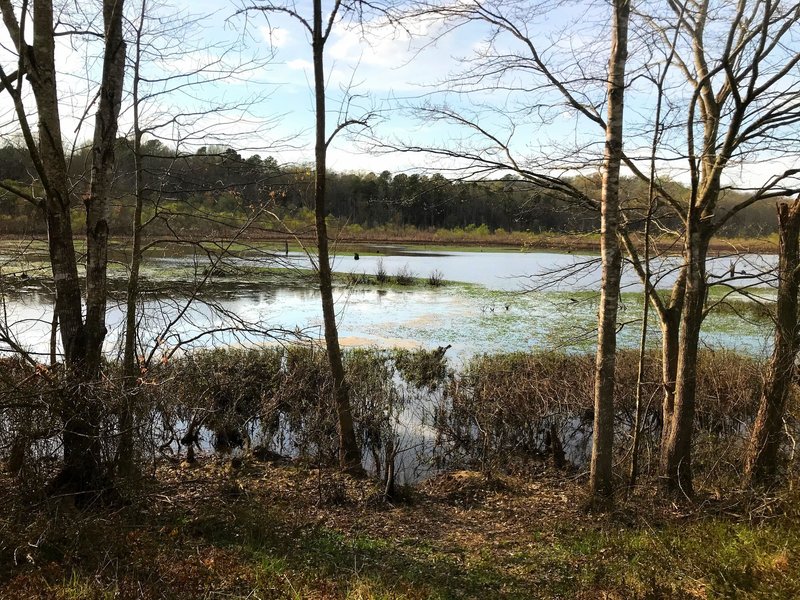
(404, 276)
(296, 528)
(381, 276)
(496, 413)
(436, 278)
(354, 278)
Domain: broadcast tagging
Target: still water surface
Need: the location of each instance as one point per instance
(516, 301)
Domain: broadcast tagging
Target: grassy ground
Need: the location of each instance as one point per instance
(270, 531)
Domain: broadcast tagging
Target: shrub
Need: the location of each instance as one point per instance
(354, 278)
(381, 276)
(404, 276)
(436, 278)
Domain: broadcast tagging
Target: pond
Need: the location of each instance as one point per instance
(494, 301)
(517, 270)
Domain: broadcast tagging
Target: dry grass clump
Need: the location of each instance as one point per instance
(503, 408)
(404, 276)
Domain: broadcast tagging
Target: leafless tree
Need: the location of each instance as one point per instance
(730, 101)
(600, 478)
(160, 37)
(765, 441)
(319, 26)
(82, 338)
(739, 67)
(552, 83)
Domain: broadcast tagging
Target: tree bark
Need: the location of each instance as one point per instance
(676, 459)
(670, 330)
(81, 454)
(600, 481)
(638, 416)
(81, 340)
(125, 452)
(762, 455)
(669, 315)
(82, 444)
(55, 182)
(349, 452)
(105, 138)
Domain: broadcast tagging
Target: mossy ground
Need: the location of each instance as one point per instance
(282, 531)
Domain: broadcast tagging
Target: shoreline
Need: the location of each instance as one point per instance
(517, 241)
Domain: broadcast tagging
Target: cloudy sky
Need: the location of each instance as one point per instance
(374, 71)
(220, 76)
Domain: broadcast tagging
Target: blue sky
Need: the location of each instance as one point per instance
(381, 70)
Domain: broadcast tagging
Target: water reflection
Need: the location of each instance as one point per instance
(492, 317)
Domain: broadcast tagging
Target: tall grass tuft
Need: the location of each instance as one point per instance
(381, 276)
(436, 278)
(404, 276)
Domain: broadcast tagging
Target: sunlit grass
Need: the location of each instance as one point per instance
(525, 541)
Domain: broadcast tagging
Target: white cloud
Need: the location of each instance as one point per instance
(277, 37)
(299, 64)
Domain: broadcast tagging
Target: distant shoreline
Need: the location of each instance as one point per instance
(515, 241)
(521, 241)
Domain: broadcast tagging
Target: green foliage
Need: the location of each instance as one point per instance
(383, 205)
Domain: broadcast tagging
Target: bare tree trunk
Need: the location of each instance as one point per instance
(670, 331)
(762, 454)
(54, 339)
(638, 415)
(389, 489)
(82, 443)
(349, 452)
(105, 138)
(706, 161)
(54, 174)
(600, 481)
(81, 341)
(125, 458)
(81, 456)
(676, 459)
(669, 315)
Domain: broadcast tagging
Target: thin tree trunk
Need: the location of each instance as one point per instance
(600, 482)
(349, 452)
(650, 293)
(637, 419)
(389, 490)
(125, 458)
(765, 440)
(105, 138)
(669, 315)
(54, 338)
(670, 332)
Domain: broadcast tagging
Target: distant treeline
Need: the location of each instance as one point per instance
(220, 183)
